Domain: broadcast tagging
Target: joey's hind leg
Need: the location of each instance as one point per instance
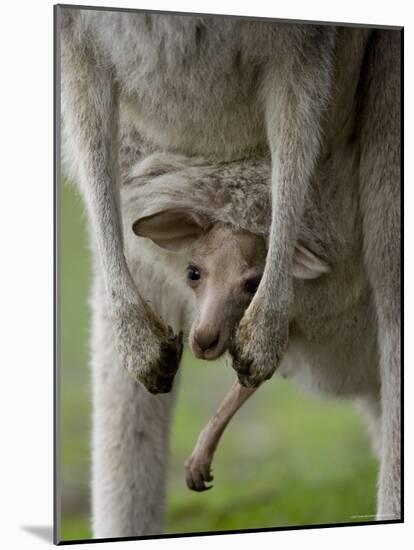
(198, 466)
(130, 443)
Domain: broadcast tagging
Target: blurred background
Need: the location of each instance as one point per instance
(286, 459)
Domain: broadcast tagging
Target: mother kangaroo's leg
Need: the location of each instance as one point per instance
(90, 114)
(381, 214)
(130, 444)
(295, 92)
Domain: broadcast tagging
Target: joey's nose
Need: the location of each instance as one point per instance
(207, 341)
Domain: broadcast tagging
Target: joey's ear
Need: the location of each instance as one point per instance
(173, 230)
(306, 265)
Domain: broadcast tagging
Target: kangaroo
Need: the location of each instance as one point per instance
(321, 101)
(224, 261)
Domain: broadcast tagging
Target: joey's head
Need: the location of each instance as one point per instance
(224, 272)
(224, 269)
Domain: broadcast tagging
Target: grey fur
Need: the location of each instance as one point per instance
(323, 104)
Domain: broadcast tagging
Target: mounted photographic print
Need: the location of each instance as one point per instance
(228, 321)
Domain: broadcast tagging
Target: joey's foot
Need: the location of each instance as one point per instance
(258, 345)
(198, 473)
(149, 350)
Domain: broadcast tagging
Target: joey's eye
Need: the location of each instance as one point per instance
(193, 274)
(251, 285)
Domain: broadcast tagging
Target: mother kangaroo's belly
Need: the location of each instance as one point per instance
(190, 84)
(215, 133)
(345, 364)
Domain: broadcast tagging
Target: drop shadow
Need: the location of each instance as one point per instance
(44, 532)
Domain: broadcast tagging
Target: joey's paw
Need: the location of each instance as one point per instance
(159, 376)
(198, 473)
(258, 345)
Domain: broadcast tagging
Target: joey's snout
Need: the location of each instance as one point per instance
(217, 319)
(207, 339)
(208, 342)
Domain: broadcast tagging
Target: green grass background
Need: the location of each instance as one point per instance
(286, 459)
